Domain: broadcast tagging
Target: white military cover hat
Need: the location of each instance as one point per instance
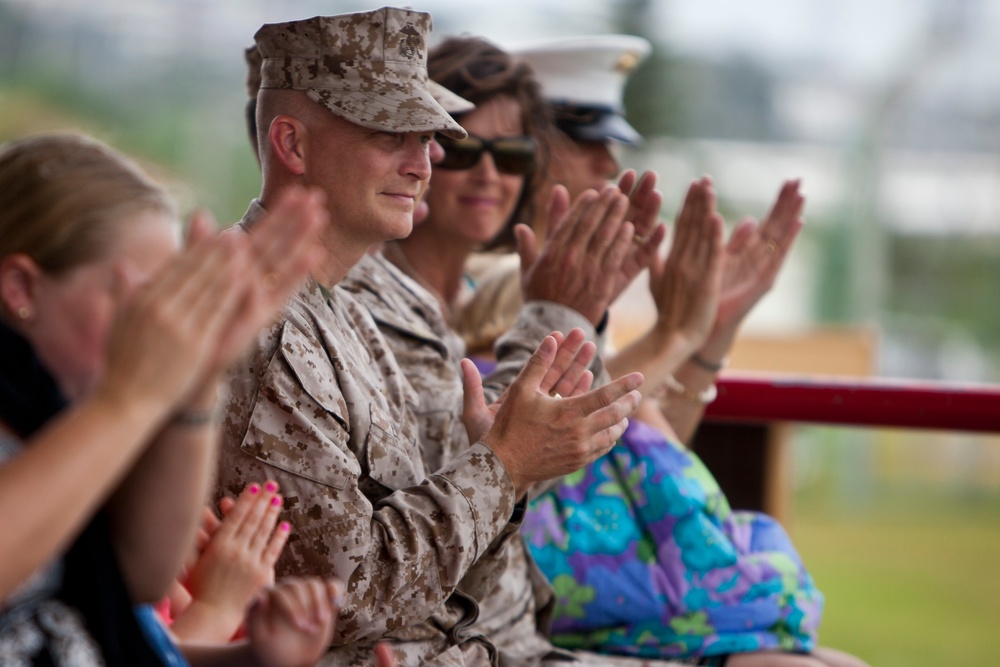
(583, 78)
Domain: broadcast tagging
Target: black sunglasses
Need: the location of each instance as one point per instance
(511, 155)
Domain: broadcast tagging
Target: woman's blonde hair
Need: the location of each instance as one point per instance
(62, 197)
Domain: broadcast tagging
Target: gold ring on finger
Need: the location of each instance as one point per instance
(772, 246)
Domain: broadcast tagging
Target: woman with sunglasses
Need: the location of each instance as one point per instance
(486, 180)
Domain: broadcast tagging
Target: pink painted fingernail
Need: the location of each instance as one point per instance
(285, 527)
(254, 489)
(271, 487)
(276, 500)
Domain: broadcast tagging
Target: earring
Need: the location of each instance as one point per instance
(23, 313)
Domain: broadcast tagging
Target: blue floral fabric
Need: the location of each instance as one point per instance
(647, 559)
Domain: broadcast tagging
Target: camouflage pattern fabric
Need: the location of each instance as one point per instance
(368, 67)
(514, 614)
(320, 405)
(428, 352)
(448, 100)
(253, 59)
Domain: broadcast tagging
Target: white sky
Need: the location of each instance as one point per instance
(858, 38)
(863, 40)
(779, 27)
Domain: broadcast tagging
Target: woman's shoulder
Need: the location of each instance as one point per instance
(484, 267)
(495, 302)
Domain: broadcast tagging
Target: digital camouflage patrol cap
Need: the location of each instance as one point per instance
(448, 100)
(368, 67)
(253, 58)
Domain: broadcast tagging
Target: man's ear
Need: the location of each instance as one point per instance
(287, 135)
(19, 276)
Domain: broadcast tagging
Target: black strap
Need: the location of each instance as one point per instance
(29, 396)
(93, 584)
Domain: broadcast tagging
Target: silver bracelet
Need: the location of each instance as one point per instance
(705, 397)
(194, 418)
(709, 366)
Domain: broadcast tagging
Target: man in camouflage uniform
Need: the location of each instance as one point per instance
(514, 615)
(321, 405)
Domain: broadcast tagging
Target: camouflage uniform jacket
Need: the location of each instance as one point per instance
(514, 614)
(320, 405)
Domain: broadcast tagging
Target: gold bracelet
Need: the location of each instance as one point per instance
(705, 397)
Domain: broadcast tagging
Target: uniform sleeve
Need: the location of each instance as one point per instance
(360, 504)
(536, 320)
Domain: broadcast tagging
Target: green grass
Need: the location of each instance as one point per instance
(911, 580)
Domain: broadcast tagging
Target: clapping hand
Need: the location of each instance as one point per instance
(754, 255)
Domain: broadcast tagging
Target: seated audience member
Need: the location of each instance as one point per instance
(113, 349)
(321, 405)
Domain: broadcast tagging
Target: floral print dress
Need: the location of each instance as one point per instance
(648, 559)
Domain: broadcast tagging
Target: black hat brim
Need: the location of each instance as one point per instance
(600, 125)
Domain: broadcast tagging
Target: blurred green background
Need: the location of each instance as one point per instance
(906, 555)
(889, 111)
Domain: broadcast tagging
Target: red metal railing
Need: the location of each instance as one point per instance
(856, 402)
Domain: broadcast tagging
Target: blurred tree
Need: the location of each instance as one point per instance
(681, 96)
(653, 96)
(855, 280)
(11, 34)
(182, 113)
(928, 269)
